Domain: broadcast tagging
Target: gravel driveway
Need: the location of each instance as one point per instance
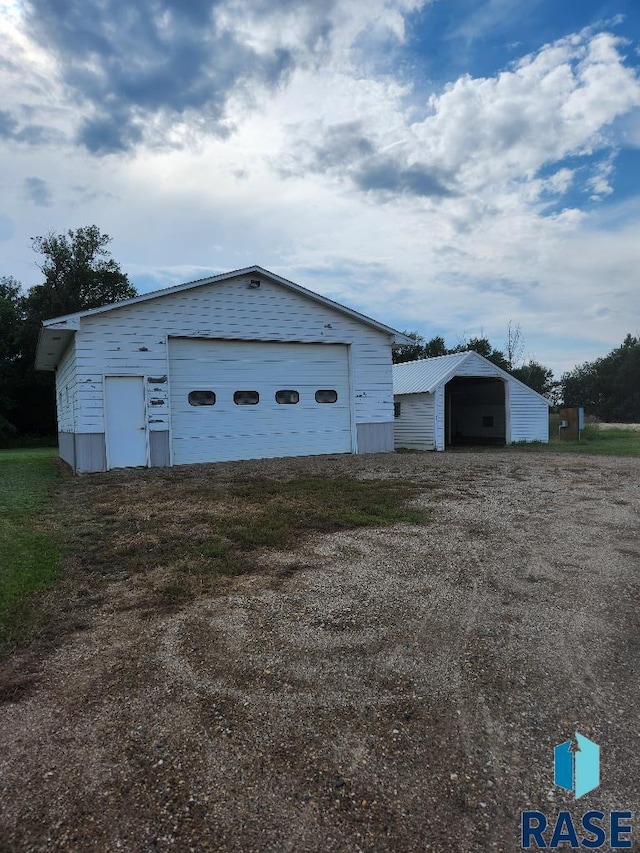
(396, 689)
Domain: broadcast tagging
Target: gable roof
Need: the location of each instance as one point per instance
(427, 374)
(57, 333)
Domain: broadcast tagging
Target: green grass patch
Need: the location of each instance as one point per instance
(165, 535)
(29, 555)
(601, 441)
(174, 593)
(278, 515)
(595, 440)
(186, 522)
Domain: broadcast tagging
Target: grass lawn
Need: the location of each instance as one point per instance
(173, 533)
(602, 440)
(29, 554)
(180, 531)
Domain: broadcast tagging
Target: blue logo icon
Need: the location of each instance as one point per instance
(577, 768)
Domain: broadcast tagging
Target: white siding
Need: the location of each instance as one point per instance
(66, 390)
(134, 341)
(477, 367)
(415, 428)
(439, 417)
(529, 414)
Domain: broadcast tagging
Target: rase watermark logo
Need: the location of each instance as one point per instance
(576, 768)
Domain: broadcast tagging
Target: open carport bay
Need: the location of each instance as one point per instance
(475, 411)
(396, 688)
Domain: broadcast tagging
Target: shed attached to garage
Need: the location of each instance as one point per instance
(243, 365)
(464, 399)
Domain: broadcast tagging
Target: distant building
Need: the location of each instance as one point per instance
(463, 399)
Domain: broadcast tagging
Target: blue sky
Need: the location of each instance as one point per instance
(445, 167)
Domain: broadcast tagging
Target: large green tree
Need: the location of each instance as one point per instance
(78, 273)
(11, 319)
(420, 349)
(536, 376)
(608, 387)
(484, 347)
(436, 346)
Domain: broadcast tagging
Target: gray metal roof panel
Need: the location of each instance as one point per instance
(426, 374)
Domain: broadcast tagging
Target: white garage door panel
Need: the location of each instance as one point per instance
(227, 431)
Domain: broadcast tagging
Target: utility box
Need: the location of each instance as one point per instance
(571, 423)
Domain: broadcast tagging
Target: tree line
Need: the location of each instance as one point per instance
(79, 273)
(608, 387)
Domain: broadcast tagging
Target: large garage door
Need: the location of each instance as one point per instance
(254, 400)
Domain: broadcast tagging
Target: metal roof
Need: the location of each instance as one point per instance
(425, 375)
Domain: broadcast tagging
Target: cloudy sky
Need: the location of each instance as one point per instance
(444, 166)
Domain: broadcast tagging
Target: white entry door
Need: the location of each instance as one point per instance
(126, 437)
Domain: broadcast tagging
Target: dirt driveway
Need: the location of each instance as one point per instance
(392, 689)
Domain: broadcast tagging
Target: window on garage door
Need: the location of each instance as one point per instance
(287, 397)
(246, 398)
(326, 395)
(202, 398)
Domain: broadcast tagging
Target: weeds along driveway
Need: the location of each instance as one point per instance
(391, 688)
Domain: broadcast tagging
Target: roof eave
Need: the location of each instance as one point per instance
(431, 389)
(52, 344)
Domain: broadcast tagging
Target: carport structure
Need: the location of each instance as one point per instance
(464, 399)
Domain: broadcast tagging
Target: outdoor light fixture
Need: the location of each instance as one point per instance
(254, 282)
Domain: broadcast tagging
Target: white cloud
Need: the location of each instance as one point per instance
(556, 103)
(514, 237)
(326, 29)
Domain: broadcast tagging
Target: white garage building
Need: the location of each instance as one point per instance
(243, 365)
(464, 399)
